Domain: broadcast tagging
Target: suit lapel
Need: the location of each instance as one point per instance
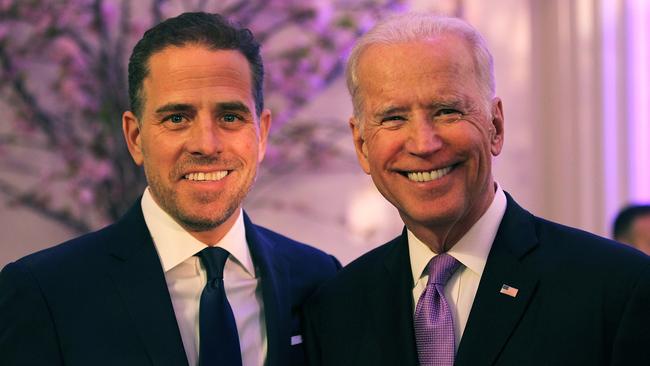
(392, 306)
(272, 270)
(137, 273)
(494, 315)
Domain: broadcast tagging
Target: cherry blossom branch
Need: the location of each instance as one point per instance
(43, 208)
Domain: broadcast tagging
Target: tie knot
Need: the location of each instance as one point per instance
(213, 259)
(441, 268)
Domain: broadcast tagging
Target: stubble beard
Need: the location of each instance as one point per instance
(169, 200)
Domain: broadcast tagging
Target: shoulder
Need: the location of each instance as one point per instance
(302, 257)
(52, 275)
(68, 254)
(364, 272)
(303, 267)
(377, 258)
(572, 248)
(84, 254)
(286, 244)
(586, 250)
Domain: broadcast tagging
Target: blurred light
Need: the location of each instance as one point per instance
(638, 46)
(611, 112)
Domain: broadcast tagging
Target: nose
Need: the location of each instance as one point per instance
(204, 138)
(423, 138)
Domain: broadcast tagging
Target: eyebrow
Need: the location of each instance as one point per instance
(391, 110)
(451, 103)
(233, 106)
(174, 107)
(184, 107)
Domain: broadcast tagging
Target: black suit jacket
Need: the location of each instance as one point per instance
(102, 299)
(582, 300)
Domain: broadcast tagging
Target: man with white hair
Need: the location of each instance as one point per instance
(474, 279)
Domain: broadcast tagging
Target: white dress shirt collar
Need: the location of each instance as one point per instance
(175, 245)
(472, 249)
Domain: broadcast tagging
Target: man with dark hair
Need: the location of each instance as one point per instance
(184, 278)
(209, 30)
(474, 279)
(632, 226)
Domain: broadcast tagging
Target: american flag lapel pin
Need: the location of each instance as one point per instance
(509, 290)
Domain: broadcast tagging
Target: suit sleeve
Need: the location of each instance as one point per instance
(27, 332)
(631, 341)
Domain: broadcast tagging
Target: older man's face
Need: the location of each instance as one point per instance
(199, 138)
(437, 175)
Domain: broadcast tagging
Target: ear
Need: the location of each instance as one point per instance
(496, 127)
(131, 130)
(359, 144)
(265, 126)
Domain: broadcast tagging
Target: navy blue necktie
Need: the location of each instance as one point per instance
(219, 341)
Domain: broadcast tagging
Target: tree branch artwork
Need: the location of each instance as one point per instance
(63, 80)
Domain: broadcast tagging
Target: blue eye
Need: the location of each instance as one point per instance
(231, 117)
(175, 118)
(447, 111)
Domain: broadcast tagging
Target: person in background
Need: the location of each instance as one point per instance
(184, 277)
(632, 227)
(474, 279)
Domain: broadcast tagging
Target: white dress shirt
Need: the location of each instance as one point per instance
(471, 251)
(186, 278)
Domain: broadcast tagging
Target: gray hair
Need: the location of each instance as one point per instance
(409, 27)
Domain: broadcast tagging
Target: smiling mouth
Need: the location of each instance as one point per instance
(428, 176)
(210, 176)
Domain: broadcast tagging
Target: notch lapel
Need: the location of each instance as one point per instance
(494, 315)
(137, 273)
(391, 305)
(273, 273)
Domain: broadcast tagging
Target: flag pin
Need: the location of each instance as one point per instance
(509, 290)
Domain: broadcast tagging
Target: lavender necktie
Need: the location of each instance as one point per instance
(434, 325)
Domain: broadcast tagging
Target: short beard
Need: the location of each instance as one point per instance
(199, 224)
(169, 202)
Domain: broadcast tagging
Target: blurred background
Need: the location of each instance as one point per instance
(574, 77)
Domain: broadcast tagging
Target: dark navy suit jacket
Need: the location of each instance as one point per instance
(582, 300)
(102, 299)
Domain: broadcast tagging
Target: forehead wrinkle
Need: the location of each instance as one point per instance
(442, 74)
(390, 68)
(206, 69)
(197, 72)
(175, 92)
(207, 81)
(381, 84)
(392, 95)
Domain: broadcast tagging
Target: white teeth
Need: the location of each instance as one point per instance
(206, 176)
(428, 176)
